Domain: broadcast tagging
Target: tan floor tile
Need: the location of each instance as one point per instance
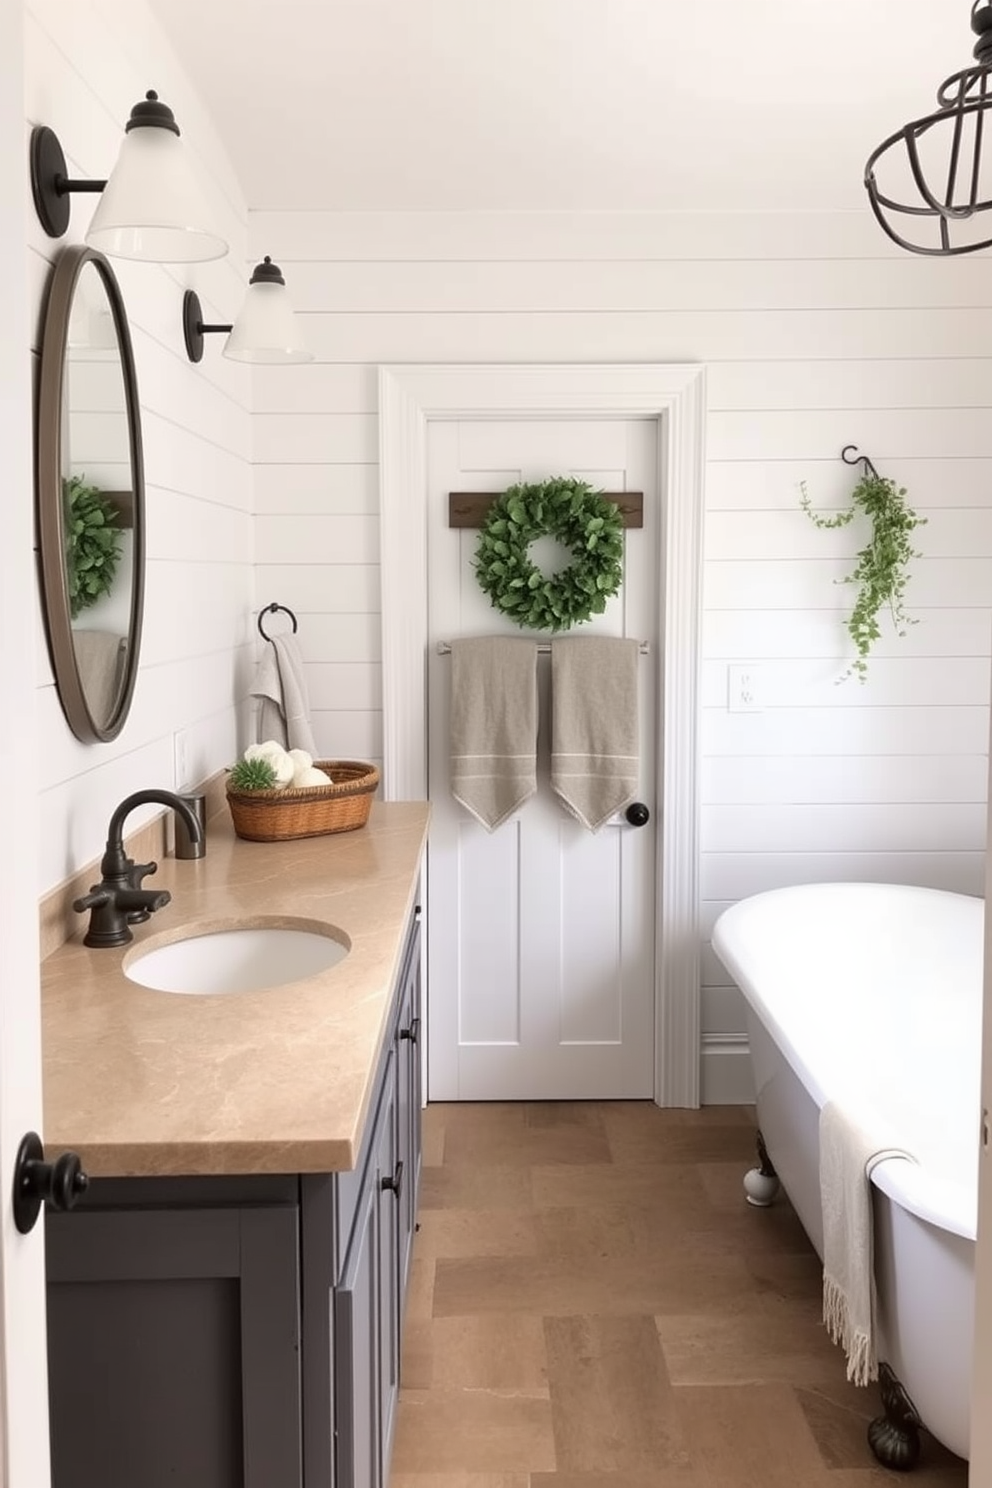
(468, 1187)
(477, 1232)
(753, 1339)
(459, 1480)
(475, 1431)
(838, 1414)
(525, 1137)
(497, 1351)
(670, 1186)
(654, 1141)
(559, 1286)
(417, 1354)
(752, 1436)
(676, 1476)
(420, 1289)
(433, 1122)
(512, 1253)
(612, 1403)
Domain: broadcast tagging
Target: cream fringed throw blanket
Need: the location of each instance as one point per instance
(594, 725)
(493, 725)
(848, 1154)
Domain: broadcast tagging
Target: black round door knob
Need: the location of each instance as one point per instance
(638, 814)
(36, 1182)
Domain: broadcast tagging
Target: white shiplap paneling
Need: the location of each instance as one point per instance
(85, 65)
(817, 334)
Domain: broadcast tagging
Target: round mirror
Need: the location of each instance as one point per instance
(91, 498)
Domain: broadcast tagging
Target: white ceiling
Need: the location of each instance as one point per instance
(562, 104)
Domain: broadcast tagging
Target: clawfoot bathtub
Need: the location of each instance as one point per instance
(871, 994)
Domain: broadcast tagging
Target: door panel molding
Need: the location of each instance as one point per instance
(413, 396)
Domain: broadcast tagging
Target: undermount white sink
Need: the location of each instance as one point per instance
(246, 960)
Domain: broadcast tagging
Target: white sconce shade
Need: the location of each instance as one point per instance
(266, 331)
(152, 208)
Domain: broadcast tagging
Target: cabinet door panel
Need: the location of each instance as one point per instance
(356, 1364)
(174, 1348)
(391, 1184)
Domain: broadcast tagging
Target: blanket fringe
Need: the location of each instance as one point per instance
(862, 1365)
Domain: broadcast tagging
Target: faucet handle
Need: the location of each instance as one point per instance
(137, 871)
(95, 899)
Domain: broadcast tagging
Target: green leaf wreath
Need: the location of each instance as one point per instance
(583, 520)
(93, 543)
(881, 570)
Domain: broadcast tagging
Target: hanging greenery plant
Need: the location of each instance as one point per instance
(583, 520)
(93, 543)
(881, 570)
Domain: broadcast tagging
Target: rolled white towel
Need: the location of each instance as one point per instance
(310, 777)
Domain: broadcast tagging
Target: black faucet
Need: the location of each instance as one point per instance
(118, 900)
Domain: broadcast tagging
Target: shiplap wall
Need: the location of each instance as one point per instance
(86, 63)
(817, 333)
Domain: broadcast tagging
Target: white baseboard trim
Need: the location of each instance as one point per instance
(726, 1075)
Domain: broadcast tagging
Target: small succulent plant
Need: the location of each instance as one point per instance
(253, 774)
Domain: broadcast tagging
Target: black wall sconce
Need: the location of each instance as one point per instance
(151, 206)
(266, 330)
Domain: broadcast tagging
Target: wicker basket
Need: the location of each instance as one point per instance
(279, 815)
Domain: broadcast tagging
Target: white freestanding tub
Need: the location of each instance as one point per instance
(871, 995)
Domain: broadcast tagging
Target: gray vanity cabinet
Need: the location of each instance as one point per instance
(241, 1332)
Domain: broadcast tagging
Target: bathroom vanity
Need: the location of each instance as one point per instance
(225, 1303)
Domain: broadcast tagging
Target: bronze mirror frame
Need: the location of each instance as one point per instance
(51, 467)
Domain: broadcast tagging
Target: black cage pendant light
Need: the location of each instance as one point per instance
(925, 182)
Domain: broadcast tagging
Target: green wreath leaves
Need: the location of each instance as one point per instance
(881, 570)
(93, 543)
(583, 520)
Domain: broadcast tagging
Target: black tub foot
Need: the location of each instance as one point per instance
(761, 1183)
(895, 1437)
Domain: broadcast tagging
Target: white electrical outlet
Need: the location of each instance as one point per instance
(742, 688)
(180, 759)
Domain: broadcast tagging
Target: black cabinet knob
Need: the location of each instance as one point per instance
(36, 1182)
(638, 814)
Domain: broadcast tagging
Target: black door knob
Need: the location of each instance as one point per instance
(37, 1182)
(637, 814)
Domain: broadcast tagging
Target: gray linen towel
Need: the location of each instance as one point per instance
(594, 748)
(493, 725)
(100, 658)
(280, 685)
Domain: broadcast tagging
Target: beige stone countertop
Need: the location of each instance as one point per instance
(144, 1083)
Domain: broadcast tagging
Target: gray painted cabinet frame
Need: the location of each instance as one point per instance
(241, 1332)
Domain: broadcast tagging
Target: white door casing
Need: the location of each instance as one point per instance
(24, 1456)
(541, 934)
(410, 399)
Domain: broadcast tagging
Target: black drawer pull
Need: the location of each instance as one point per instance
(395, 1183)
(412, 1033)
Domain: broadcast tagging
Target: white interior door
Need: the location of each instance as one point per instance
(541, 936)
(24, 1461)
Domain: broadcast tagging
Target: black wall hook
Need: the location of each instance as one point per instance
(272, 609)
(854, 458)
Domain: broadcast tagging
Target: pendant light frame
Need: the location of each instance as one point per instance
(963, 101)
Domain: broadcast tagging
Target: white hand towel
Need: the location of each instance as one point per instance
(280, 685)
(594, 727)
(493, 725)
(848, 1154)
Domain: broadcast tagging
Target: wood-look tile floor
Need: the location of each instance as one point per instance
(594, 1305)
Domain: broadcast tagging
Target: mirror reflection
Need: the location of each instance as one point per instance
(90, 495)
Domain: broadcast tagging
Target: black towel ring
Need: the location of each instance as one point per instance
(271, 609)
(856, 459)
